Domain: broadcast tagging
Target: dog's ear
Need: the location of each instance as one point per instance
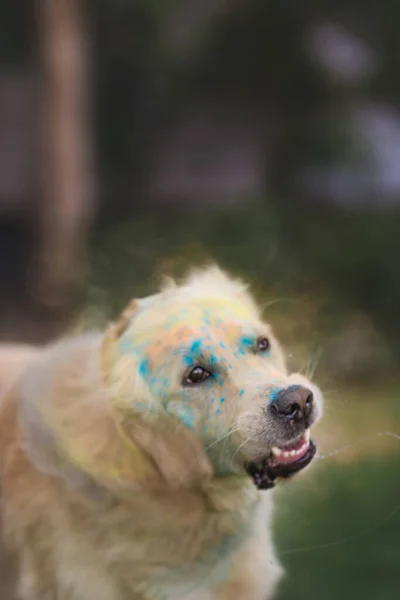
(176, 451)
(72, 426)
(67, 422)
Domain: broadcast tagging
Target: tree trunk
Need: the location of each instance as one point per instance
(65, 207)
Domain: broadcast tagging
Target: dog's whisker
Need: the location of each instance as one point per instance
(305, 367)
(330, 391)
(233, 430)
(346, 539)
(358, 443)
(314, 363)
(267, 305)
(240, 447)
(226, 435)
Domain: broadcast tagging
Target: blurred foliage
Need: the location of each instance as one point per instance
(251, 56)
(356, 252)
(309, 266)
(246, 241)
(338, 532)
(17, 38)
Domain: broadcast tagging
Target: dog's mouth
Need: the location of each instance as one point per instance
(282, 462)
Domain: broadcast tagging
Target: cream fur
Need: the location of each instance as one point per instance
(121, 484)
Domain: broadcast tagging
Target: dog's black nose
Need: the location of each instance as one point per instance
(294, 403)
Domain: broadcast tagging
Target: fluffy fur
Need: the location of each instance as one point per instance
(119, 482)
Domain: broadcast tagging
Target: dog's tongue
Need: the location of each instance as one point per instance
(289, 454)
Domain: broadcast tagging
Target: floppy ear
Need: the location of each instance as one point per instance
(67, 423)
(176, 451)
(74, 426)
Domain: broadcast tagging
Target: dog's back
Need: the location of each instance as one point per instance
(13, 360)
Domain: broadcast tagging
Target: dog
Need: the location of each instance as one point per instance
(136, 463)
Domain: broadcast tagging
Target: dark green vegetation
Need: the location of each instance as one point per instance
(336, 260)
(339, 529)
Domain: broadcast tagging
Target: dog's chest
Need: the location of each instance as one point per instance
(195, 580)
(200, 577)
(169, 558)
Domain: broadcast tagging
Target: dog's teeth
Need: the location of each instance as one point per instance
(276, 452)
(307, 435)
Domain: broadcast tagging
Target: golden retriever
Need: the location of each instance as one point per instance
(135, 463)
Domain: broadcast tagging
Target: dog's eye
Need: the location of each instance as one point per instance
(196, 375)
(263, 344)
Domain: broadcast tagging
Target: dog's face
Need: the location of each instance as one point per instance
(202, 355)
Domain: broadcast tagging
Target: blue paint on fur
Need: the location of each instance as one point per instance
(142, 406)
(127, 346)
(218, 411)
(245, 344)
(213, 359)
(273, 392)
(222, 400)
(195, 347)
(144, 368)
(241, 392)
(193, 352)
(184, 414)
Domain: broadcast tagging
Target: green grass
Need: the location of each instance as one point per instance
(338, 532)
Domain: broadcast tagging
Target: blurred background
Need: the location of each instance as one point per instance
(138, 137)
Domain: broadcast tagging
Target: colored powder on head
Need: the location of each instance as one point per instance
(127, 346)
(245, 343)
(193, 352)
(144, 367)
(273, 393)
(213, 359)
(195, 347)
(184, 414)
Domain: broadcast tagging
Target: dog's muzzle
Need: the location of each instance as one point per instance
(292, 412)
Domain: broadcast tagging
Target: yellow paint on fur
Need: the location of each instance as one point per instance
(130, 465)
(238, 309)
(137, 466)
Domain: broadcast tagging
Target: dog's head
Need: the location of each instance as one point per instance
(199, 354)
